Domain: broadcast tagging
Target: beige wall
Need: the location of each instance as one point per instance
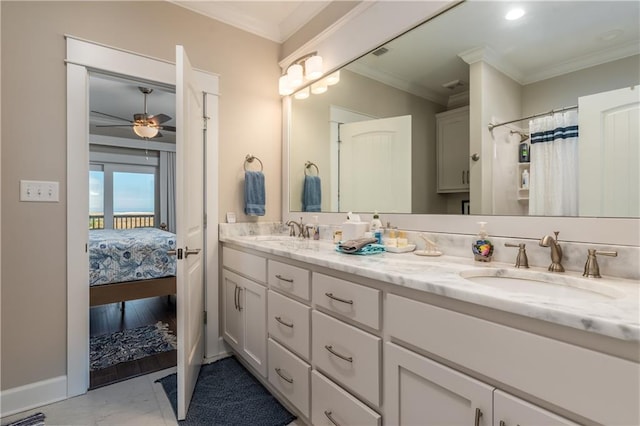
(34, 145)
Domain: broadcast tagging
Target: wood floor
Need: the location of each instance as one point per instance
(109, 318)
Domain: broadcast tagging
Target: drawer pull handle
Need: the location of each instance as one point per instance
(286, 324)
(281, 278)
(478, 415)
(285, 378)
(328, 414)
(330, 349)
(331, 296)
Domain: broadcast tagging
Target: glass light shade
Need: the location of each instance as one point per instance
(302, 94)
(284, 87)
(319, 87)
(313, 67)
(333, 78)
(144, 131)
(295, 75)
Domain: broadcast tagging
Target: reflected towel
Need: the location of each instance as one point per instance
(361, 246)
(254, 198)
(311, 194)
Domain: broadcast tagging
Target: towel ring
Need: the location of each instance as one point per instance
(308, 165)
(249, 159)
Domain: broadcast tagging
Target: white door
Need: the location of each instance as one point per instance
(189, 227)
(419, 391)
(609, 132)
(375, 165)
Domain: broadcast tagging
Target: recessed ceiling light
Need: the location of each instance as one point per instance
(514, 14)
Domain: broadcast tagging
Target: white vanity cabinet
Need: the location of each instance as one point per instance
(244, 307)
(289, 327)
(421, 391)
(511, 411)
(452, 150)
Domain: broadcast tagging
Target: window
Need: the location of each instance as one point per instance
(122, 196)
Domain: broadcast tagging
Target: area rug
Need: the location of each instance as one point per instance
(227, 394)
(128, 345)
(36, 419)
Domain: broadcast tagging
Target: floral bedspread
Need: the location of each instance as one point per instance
(119, 255)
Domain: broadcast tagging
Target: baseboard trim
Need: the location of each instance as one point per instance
(33, 395)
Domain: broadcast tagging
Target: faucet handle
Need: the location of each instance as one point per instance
(522, 261)
(591, 268)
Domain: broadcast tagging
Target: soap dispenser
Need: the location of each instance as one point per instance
(482, 247)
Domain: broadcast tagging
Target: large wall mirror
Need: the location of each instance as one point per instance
(407, 127)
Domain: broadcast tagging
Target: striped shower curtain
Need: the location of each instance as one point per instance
(553, 188)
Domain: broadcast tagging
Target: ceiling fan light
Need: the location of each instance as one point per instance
(284, 86)
(313, 67)
(333, 78)
(145, 131)
(295, 75)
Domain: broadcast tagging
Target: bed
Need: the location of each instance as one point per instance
(129, 264)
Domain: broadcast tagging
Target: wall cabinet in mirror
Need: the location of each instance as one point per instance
(452, 146)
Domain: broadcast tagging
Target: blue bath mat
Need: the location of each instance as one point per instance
(227, 394)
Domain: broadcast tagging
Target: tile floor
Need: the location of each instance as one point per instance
(138, 401)
(134, 402)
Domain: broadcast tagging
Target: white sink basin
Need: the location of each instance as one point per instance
(543, 284)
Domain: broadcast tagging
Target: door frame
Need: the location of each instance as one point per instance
(82, 57)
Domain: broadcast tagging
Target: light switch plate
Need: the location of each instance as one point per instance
(39, 191)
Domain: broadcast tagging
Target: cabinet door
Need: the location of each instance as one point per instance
(453, 150)
(511, 411)
(253, 305)
(419, 391)
(231, 315)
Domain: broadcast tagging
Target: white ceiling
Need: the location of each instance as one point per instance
(273, 20)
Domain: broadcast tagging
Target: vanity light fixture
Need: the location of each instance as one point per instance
(319, 87)
(145, 131)
(333, 78)
(514, 14)
(307, 67)
(302, 93)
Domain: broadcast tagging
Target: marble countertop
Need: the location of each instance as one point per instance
(606, 306)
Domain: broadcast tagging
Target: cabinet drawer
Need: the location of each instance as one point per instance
(289, 323)
(290, 375)
(289, 279)
(330, 400)
(250, 265)
(348, 355)
(354, 301)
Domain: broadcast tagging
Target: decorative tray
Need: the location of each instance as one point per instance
(405, 249)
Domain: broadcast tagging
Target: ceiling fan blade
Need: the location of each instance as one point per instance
(159, 118)
(112, 116)
(168, 128)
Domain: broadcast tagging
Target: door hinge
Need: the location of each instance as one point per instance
(204, 220)
(205, 317)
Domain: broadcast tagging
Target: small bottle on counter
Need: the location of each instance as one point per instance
(391, 240)
(402, 239)
(316, 228)
(337, 236)
(525, 179)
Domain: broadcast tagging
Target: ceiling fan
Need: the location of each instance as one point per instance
(143, 124)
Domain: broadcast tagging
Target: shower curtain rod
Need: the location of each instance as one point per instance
(553, 111)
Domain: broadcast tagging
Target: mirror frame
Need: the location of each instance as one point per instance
(337, 46)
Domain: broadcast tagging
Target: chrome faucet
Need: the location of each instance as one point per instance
(556, 252)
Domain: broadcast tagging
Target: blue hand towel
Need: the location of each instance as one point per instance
(311, 194)
(254, 198)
